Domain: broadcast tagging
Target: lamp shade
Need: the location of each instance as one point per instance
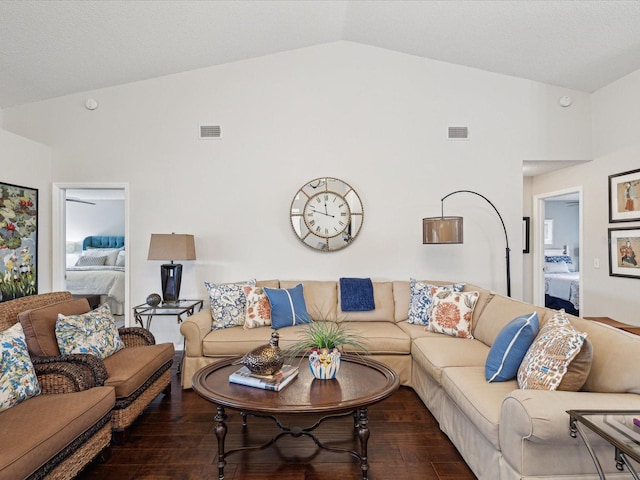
(171, 246)
(442, 230)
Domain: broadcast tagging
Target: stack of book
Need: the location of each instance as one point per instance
(275, 382)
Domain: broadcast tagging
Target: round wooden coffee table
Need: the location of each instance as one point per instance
(361, 382)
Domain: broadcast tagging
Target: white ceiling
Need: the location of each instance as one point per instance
(49, 49)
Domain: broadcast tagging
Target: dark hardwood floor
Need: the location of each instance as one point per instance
(174, 439)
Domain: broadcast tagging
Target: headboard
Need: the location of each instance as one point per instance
(103, 241)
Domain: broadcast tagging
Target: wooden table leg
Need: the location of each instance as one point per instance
(221, 433)
(363, 435)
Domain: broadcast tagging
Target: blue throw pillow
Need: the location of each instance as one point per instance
(510, 347)
(287, 306)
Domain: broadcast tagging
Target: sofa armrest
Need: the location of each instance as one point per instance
(136, 337)
(69, 373)
(194, 329)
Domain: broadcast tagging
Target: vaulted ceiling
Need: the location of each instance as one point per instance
(54, 48)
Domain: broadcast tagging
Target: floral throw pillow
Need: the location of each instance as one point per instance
(258, 310)
(18, 379)
(420, 303)
(452, 311)
(94, 332)
(228, 303)
(547, 360)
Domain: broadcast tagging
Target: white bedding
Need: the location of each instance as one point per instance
(565, 286)
(100, 280)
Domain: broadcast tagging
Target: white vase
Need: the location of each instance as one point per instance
(323, 364)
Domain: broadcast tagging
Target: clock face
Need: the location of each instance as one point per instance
(326, 214)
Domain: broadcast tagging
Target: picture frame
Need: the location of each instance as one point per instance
(526, 230)
(18, 241)
(624, 247)
(624, 193)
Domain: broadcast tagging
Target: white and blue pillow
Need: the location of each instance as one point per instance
(228, 303)
(287, 306)
(510, 347)
(421, 300)
(18, 379)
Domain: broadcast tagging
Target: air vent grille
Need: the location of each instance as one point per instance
(458, 133)
(210, 131)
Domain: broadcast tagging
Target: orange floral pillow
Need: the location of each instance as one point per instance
(258, 309)
(451, 312)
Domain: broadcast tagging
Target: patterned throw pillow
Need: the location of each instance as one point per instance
(258, 311)
(452, 311)
(18, 379)
(548, 358)
(90, 261)
(287, 306)
(94, 332)
(228, 303)
(420, 303)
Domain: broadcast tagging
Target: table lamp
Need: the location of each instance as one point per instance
(165, 246)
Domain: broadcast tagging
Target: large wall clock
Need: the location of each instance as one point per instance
(326, 214)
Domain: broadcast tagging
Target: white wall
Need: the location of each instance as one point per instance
(616, 116)
(27, 163)
(566, 227)
(374, 118)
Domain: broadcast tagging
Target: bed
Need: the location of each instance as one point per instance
(561, 282)
(100, 270)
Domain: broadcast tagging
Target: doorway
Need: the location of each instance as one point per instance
(558, 236)
(92, 210)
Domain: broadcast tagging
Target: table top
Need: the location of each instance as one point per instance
(360, 382)
(173, 308)
(615, 426)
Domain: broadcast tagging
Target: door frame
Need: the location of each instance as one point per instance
(58, 235)
(538, 241)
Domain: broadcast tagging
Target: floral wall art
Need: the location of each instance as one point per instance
(18, 241)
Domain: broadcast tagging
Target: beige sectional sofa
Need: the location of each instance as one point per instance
(501, 431)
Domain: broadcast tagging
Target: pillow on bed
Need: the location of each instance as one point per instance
(556, 267)
(110, 253)
(121, 258)
(91, 261)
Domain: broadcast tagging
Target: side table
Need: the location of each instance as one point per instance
(177, 309)
(616, 427)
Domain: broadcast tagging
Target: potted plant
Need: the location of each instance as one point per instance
(322, 341)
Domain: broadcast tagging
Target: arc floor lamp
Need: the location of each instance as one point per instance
(449, 230)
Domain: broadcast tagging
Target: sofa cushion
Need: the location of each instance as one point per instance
(416, 331)
(421, 302)
(131, 367)
(42, 426)
(452, 311)
(499, 311)
(510, 347)
(18, 380)
(228, 303)
(381, 337)
(258, 308)
(288, 307)
(321, 298)
(383, 311)
(39, 325)
(93, 332)
(579, 368)
(434, 354)
(548, 358)
(479, 400)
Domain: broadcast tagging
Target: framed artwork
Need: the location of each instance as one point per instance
(525, 234)
(624, 245)
(18, 241)
(548, 231)
(624, 204)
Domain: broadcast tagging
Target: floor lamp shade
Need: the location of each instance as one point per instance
(171, 247)
(442, 230)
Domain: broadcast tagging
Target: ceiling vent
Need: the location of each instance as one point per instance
(210, 131)
(458, 133)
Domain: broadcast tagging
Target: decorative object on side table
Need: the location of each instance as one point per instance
(322, 341)
(153, 300)
(266, 359)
